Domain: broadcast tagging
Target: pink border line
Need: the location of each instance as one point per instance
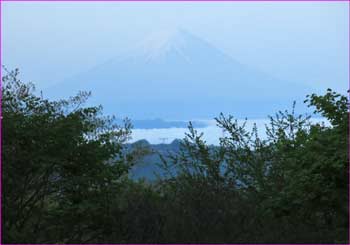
(349, 119)
(174, 0)
(156, 1)
(0, 123)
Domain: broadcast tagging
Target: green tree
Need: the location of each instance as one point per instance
(291, 186)
(62, 163)
(66, 177)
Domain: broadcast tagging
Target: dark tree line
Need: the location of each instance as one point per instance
(65, 177)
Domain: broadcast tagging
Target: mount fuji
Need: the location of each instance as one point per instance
(177, 75)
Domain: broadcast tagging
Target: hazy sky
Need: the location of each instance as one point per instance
(302, 41)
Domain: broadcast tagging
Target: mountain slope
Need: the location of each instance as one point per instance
(179, 75)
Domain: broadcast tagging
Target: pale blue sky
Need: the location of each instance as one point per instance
(297, 41)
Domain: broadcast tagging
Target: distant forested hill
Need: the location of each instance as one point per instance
(148, 166)
(69, 176)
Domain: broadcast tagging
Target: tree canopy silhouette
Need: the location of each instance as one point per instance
(66, 177)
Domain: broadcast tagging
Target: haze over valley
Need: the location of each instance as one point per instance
(163, 74)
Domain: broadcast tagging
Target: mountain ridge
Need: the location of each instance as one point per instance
(180, 76)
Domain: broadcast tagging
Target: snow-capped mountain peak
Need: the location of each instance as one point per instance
(159, 44)
(174, 74)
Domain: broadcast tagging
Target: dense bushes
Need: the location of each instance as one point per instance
(65, 178)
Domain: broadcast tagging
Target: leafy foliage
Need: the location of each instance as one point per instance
(290, 187)
(62, 163)
(66, 167)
